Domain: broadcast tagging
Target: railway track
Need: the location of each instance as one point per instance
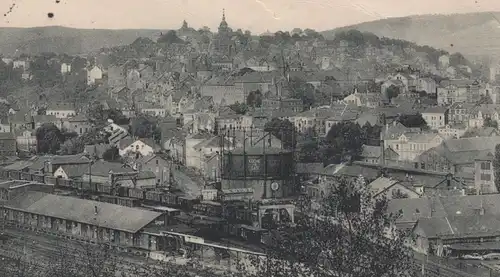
(46, 249)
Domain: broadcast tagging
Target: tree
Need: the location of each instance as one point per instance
(413, 121)
(72, 146)
(144, 126)
(348, 226)
(111, 155)
(488, 122)
(49, 139)
(496, 166)
(284, 130)
(392, 92)
(239, 108)
(99, 116)
(302, 90)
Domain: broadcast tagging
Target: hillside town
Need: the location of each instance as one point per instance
(206, 144)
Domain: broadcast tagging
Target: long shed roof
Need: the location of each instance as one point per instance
(108, 216)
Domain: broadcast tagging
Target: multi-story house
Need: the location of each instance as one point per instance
(116, 77)
(138, 147)
(458, 90)
(409, 81)
(436, 117)
(159, 164)
(61, 110)
(229, 122)
(428, 85)
(93, 75)
(152, 109)
(459, 112)
(457, 155)
(369, 100)
(484, 174)
(8, 145)
(409, 143)
(455, 131)
(26, 140)
(479, 114)
(77, 124)
(283, 104)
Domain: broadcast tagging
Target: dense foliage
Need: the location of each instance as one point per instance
(349, 234)
(284, 130)
(343, 143)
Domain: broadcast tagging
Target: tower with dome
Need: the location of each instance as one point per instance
(222, 45)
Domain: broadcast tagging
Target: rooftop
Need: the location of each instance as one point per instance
(110, 216)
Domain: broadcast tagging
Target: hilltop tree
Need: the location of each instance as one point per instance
(170, 38)
(349, 225)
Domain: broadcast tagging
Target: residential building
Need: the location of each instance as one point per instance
(283, 104)
(456, 155)
(159, 164)
(459, 112)
(373, 155)
(93, 75)
(484, 174)
(26, 140)
(481, 113)
(65, 68)
(457, 90)
(452, 131)
(70, 172)
(152, 109)
(409, 143)
(192, 155)
(435, 117)
(369, 100)
(428, 85)
(77, 124)
(444, 61)
(138, 147)
(8, 145)
(61, 110)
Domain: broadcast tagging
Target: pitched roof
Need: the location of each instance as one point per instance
(110, 216)
(74, 171)
(69, 159)
(369, 151)
(440, 110)
(60, 106)
(102, 168)
(460, 226)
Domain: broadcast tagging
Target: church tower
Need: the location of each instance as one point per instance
(223, 26)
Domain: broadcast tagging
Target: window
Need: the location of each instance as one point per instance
(157, 162)
(485, 177)
(485, 166)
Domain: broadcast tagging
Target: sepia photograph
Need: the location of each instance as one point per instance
(250, 138)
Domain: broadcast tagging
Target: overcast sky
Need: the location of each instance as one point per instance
(255, 15)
